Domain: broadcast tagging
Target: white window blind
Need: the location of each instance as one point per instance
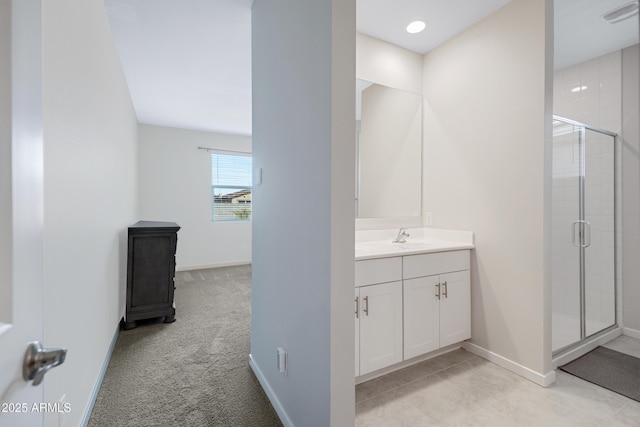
(231, 187)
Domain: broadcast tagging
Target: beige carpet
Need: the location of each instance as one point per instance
(193, 372)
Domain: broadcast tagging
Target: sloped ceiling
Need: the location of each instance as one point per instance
(188, 62)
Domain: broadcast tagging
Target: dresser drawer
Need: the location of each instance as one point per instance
(382, 270)
(434, 263)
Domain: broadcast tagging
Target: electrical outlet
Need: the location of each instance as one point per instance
(429, 218)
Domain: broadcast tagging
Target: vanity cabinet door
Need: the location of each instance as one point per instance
(380, 326)
(421, 316)
(455, 308)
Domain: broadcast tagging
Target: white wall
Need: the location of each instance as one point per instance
(630, 135)
(90, 194)
(303, 269)
(384, 63)
(487, 137)
(174, 179)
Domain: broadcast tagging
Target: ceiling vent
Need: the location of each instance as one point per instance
(621, 13)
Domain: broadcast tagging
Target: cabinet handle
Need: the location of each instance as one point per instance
(357, 307)
(445, 289)
(438, 292)
(366, 305)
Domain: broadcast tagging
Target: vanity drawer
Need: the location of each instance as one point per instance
(382, 270)
(434, 263)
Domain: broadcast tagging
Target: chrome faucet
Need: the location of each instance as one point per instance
(402, 236)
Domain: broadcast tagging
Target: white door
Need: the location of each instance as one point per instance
(380, 326)
(21, 201)
(421, 315)
(455, 307)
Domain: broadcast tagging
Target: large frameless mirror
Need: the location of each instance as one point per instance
(388, 152)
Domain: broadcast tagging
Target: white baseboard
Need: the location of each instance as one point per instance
(544, 380)
(631, 332)
(98, 384)
(217, 265)
(275, 402)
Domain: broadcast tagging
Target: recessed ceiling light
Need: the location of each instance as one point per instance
(416, 27)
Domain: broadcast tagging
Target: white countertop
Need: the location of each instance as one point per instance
(379, 245)
(384, 248)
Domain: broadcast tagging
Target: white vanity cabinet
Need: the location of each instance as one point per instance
(437, 301)
(407, 306)
(378, 314)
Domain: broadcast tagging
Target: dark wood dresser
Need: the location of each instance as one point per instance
(151, 267)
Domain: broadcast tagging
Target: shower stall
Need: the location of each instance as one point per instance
(583, 233)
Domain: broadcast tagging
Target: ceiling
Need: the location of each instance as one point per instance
(581, 34)
(387, 19)
(188, 62)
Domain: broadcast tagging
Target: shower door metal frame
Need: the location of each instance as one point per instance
(583, 226)
(584, 231)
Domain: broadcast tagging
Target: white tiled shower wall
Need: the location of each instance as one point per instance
(591, 93)
(599, 103)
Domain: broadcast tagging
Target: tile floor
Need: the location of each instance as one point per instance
(462, 389)
(626, 345)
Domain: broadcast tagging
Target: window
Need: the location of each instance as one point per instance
(230, 187)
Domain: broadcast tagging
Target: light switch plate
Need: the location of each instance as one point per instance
(282, 360)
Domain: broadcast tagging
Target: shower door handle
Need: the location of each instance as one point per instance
(573, 234)
(584, 234)
(587, 234)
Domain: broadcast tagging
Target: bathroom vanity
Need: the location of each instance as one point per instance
(411, 299)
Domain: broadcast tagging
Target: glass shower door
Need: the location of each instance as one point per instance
(565, 271)
(583, 229)
(599, 244)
